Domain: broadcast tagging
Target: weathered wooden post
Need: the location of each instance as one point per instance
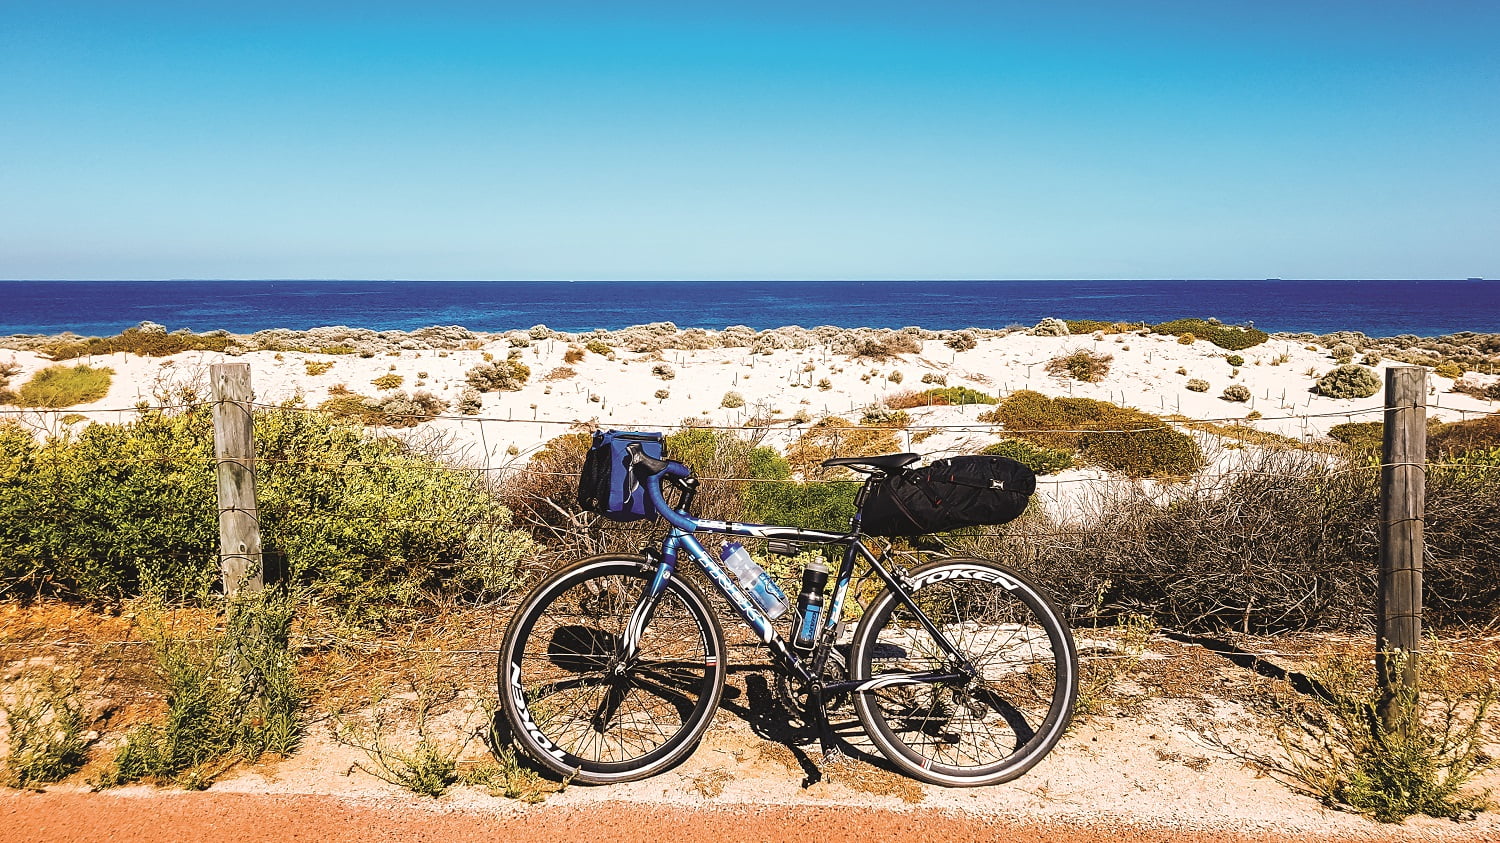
(1403, 497)
(234, 451)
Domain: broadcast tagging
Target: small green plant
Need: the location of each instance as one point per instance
(428, 766)
(1418, 760)
(388, 381)
(470, 402)
(47, 725)
(64, 386)
(1081, 365)
(1235, 360)
(732, 400)
(317, 367)
(1237, 392)
(599, 347)
(1038, 459)
(1370, 358)
(1197, 385)
(1186, 339)
(1112, 654)
(1349, 381)
(232, 696)
(1342, 352)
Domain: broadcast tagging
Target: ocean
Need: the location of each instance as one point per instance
(1377, 308)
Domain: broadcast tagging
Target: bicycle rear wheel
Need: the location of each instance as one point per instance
(1017, 650)
(581, 711)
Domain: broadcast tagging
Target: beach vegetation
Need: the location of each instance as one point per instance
(317, 367)
(945, 396)
(1130, 441)
(825, 384)
(732, 400)
(1236, 392)
(1096, 326)
(1228, 337)
(470, 402)
(1081, 365)
(886, 346)
(146, 341)
(64, 386)
(574, 354)
(560, 373)
(1035, 457)
(232, 695)
(663, 394)
(388, 381)
(834, 436)
(1418, 759)
(1051, 326)
(1197, 385)
(935, 379)
(600, 347)
(1349, 381)
(1448, 369)
(499, 376)
(47, 726)
(1342, 352)
(961, 341)
(1235, 360)
(664, 371)
(1369, 358)
(371, 524)
(1186, 339)
(883, 417)
(895, 376)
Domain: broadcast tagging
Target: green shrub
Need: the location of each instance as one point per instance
(390, 380)
(366, 523)
(317, 367)
(1038, 459)
(146, 343)
(1340, 750)
(818, 506)
(599, 347)
(935, 379)
(231, 697)
(47, 729)
(64, 386)
(1132, 442)
(946, 396)
(664, 371)
(1236, 392)
(1230, 337)
(1197, 385)
(1081, 365)
(887, 346)
(1448, 369)
(1235, 360)
(1186, 339)
(1342, 352)
(732, 400)
(1361, 436)
(1349, 381)
(499, 376)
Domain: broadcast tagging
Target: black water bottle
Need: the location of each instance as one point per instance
(810, 605)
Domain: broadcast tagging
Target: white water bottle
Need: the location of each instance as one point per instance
(761, 588)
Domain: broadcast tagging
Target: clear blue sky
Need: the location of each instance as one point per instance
(783, 140)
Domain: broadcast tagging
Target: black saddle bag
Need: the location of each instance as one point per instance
(946, 495)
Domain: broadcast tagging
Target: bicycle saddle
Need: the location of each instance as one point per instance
(885, 462)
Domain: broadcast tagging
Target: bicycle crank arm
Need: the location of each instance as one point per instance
(889, 680)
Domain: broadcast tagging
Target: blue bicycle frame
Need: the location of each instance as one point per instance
(681, 538)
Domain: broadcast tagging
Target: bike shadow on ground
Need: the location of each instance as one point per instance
(769, 720)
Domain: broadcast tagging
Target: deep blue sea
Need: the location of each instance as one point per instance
(1377, 308)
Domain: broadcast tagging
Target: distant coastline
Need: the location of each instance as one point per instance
(1375, 308)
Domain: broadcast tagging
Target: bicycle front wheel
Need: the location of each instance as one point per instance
(1018, 656)
(579, 708)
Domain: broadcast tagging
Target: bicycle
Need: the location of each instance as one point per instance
(961, 672)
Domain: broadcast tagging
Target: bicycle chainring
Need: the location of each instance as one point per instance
(793, 697)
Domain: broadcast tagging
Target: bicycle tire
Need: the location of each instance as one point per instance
(996, 726)
(567, 709)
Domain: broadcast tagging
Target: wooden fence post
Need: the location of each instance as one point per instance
(1403, 497)
(240, 557)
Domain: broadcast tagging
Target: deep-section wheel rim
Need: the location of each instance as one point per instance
(1024, 675)
(577, 706)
